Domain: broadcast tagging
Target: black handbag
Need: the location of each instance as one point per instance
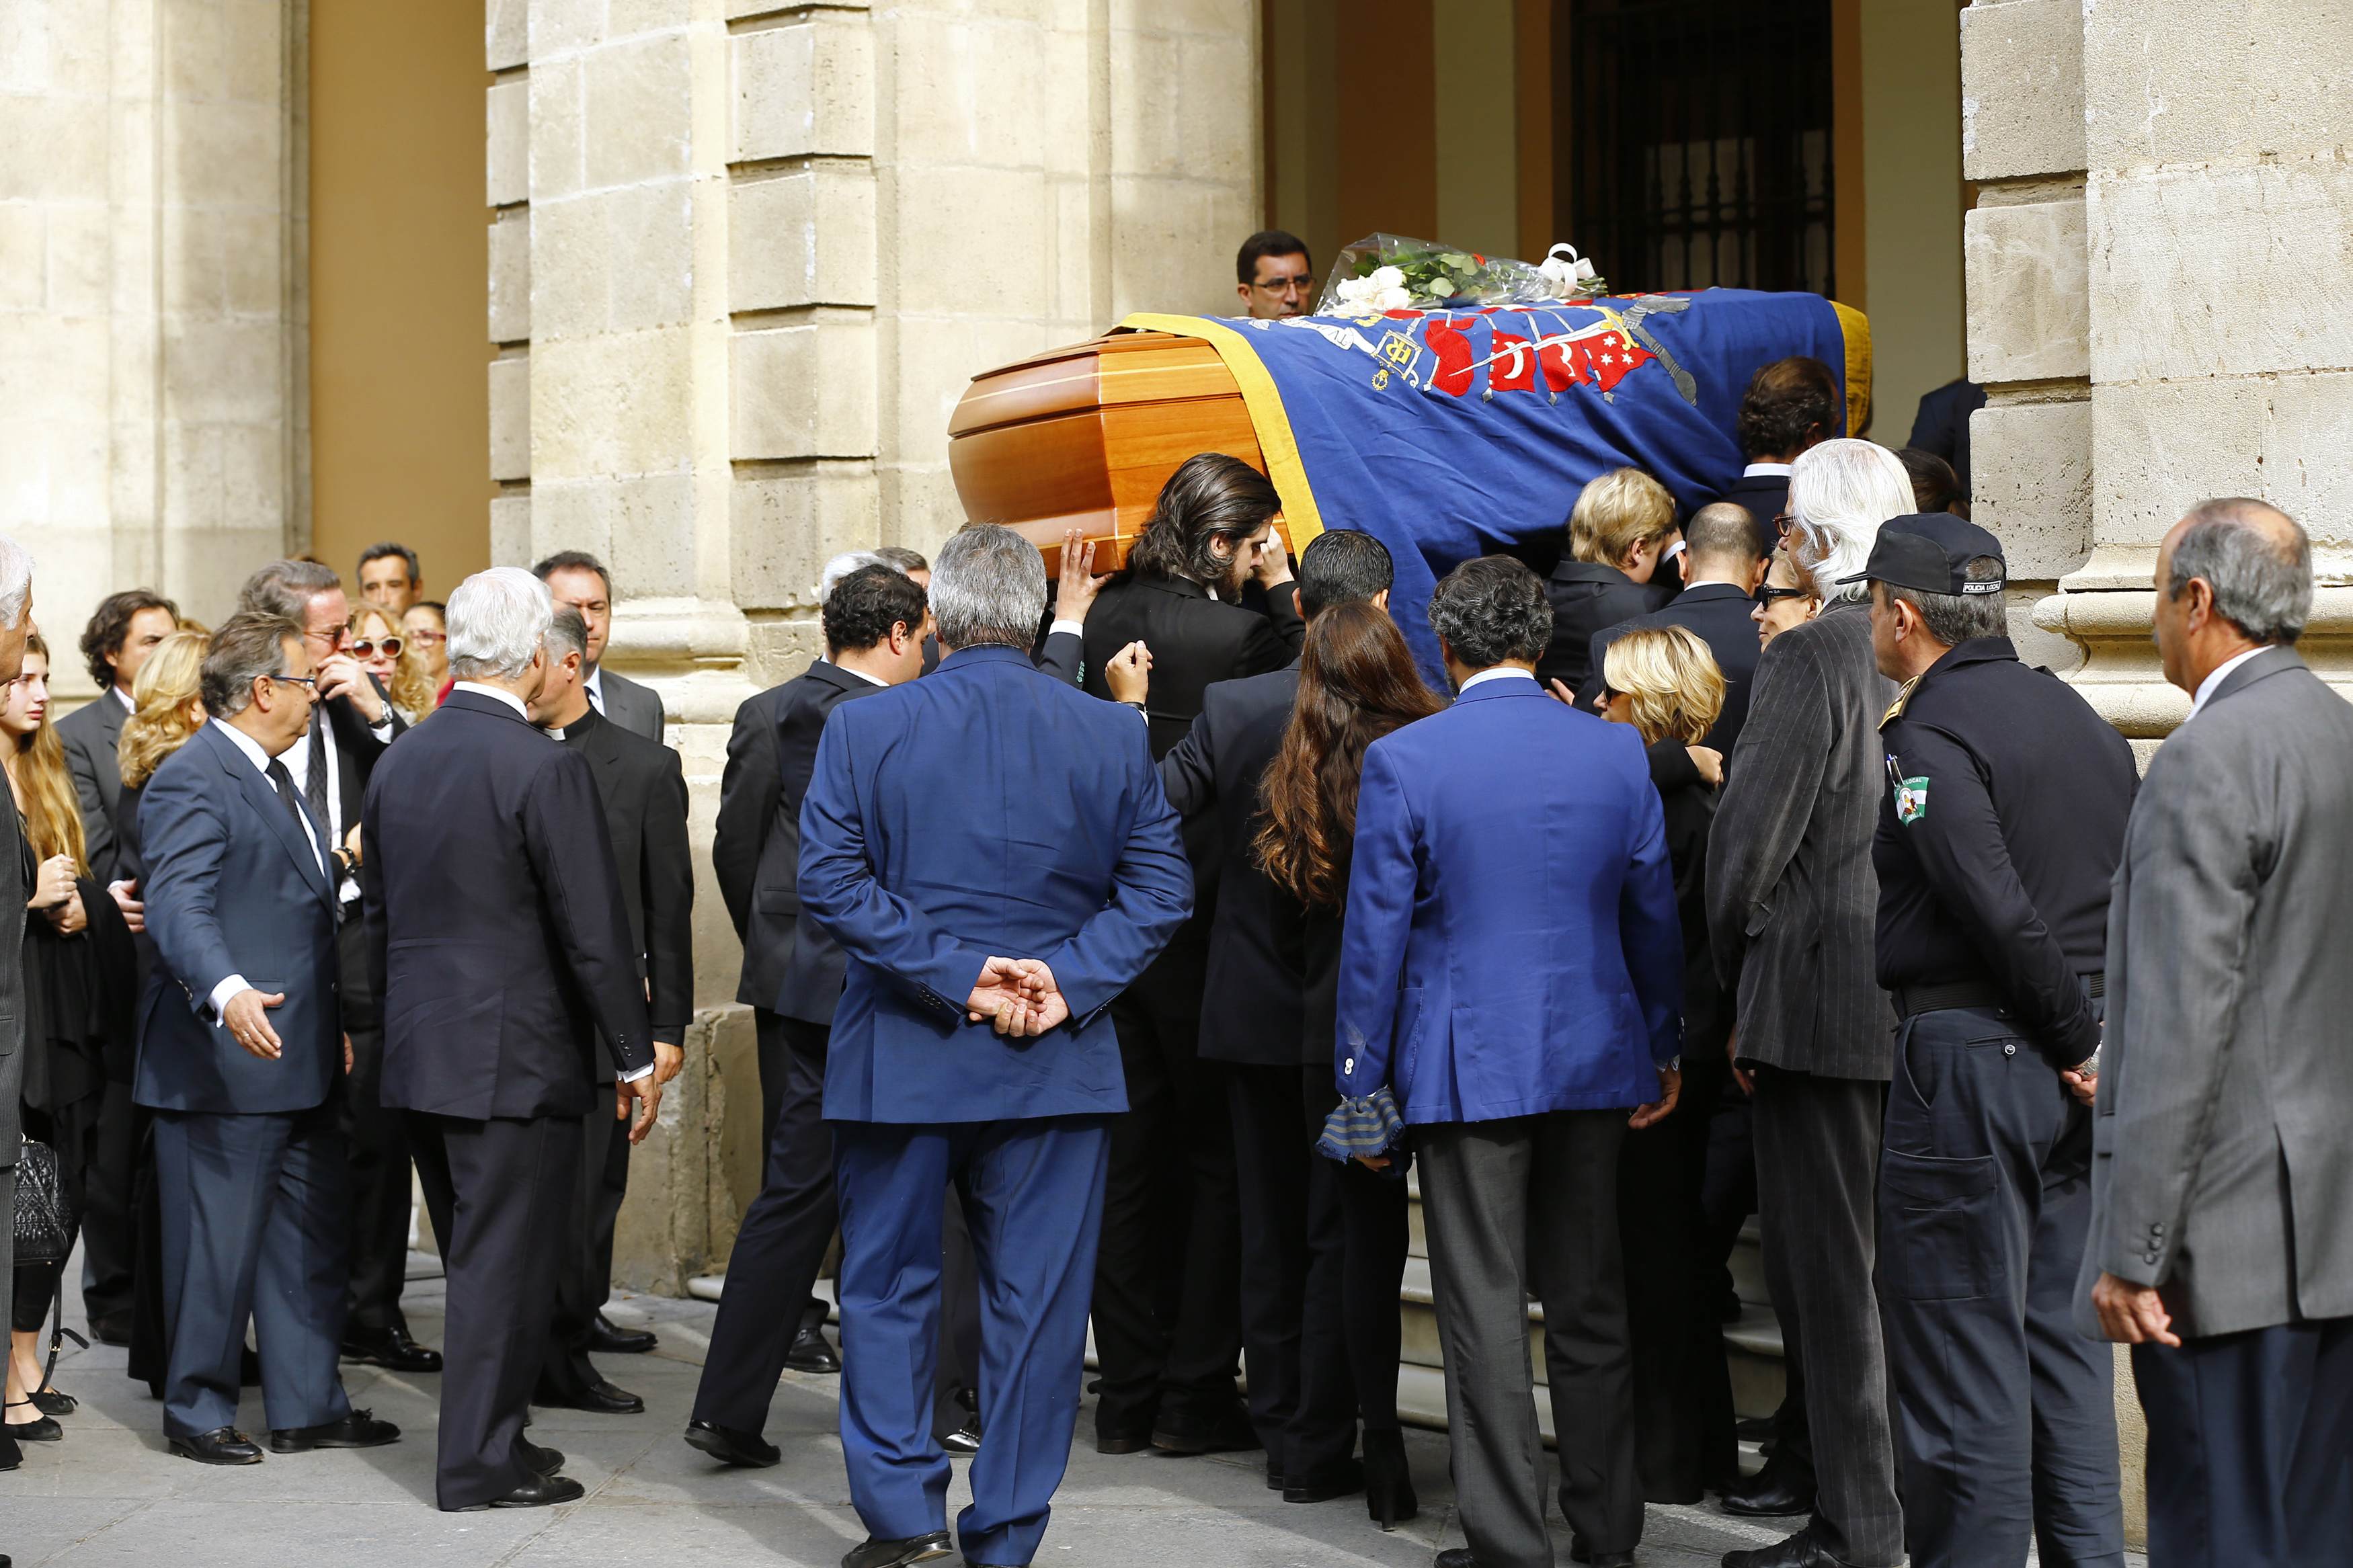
(45, 1214)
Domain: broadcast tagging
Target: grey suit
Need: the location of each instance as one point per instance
(635, 708)
(2220, 1165)
(1792, 899)
(89, 735)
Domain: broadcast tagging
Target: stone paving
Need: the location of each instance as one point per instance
(111, 1494)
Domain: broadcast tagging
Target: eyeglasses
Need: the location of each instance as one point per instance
(310, 680)
(365, 647)
(1767, 593)
(428, 638)
(1782, 523)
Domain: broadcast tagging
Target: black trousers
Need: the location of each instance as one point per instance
(499, 1192)
(783, 1241)
(378, 1141)
(2251, 1447)
(1513, 1208)
(1167, 1294)
(1303, 1397)
(772, 1033)
(584, 1276)
(2005, 1415)
(72, 1131)
(109, 1230)
(1817, 1173)
(1683, 1438)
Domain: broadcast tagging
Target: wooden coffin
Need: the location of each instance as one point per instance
(1085, 435)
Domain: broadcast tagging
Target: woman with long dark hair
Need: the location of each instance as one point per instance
(1356, 683)
(68, 1016)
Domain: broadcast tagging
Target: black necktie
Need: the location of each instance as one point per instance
(314, 786)
(283, 783)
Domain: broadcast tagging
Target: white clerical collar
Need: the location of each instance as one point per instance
(497, 693)
(2206, 687)
(1500, 672)
(1780, 470)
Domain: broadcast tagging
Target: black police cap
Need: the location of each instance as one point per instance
(1930, 553)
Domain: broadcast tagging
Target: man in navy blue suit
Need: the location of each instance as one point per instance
(992, 850)
(1511, 985)
(240, 1059)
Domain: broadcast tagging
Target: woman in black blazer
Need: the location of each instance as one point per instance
(1664, 682)
(1356, 683)
(1617, 568)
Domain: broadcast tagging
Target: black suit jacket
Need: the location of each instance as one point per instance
(643, 787)
(89, 735)
(1194, 639)
(358, 748)
(1764, 496)
(1588, 596)
(1942, 425)
(1718, 613)
(790, 965)
(1253, 999)
(496, 927)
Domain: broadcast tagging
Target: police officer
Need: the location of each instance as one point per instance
(2002, 822)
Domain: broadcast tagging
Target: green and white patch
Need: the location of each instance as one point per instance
(1911, 799)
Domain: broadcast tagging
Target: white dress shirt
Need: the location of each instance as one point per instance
(593, 684)
(499, 694)
(251, 751)
(1500, 672)
(297, 765)
(1755, 468)
(2206, 686)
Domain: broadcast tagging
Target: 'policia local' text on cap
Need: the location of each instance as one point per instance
(1930, 553)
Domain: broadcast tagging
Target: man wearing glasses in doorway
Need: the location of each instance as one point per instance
(577, 578)
(330, 762)
(1275, 276)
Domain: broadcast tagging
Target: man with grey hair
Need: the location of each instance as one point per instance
(2222, 1246)
(992, 850)
(2000, 830)
(497, 931)
(15, 627)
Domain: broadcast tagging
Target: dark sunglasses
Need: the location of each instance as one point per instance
(1767, 593)
(366, 646)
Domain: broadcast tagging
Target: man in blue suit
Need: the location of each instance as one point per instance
(239, 1058)
(1511, 985)
(992, 850)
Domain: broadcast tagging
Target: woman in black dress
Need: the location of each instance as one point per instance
(70, 1012)
(1356, 683)
(1664, 682)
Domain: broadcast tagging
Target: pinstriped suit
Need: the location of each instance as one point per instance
(1792, 899)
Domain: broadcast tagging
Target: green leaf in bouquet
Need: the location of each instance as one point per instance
(1455, 261)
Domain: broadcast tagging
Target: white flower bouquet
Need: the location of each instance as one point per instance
(1393, 273)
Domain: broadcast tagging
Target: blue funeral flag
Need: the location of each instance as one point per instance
(1449, 433)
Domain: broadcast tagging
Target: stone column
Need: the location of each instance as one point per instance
(744, 258)
(154, 406)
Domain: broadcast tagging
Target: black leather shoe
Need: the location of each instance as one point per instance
(964, 1441)
(611, 1338)
(872, 1554)
(812, 1351)
(1776, 1491)
(1228, 1432)
(1578, 1552)
(1276, 1481)
(11, 1457)
(542, 1491)
(1121, 1442)
(221, 1445)
(360, 1429)
(114, 1331)
(391, 1349)
(1800, 1551)
(39, 1429)
(1342, 1480)
(747, 1450)
(543, 1461)
(1454, 1557)
(596, 1396)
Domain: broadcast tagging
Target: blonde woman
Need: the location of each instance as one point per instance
(383, 651)
(1665, 683)
(1623, 528)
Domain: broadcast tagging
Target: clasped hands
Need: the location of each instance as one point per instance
(1019, 996)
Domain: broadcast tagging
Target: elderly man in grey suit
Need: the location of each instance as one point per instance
(2221, 1244)
(16, 626)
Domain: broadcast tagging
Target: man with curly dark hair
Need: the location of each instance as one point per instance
(1790, 404)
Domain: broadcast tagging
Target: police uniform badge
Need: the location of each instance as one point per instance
(1911, 793)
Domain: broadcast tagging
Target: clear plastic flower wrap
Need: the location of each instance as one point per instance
(1395, 272)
